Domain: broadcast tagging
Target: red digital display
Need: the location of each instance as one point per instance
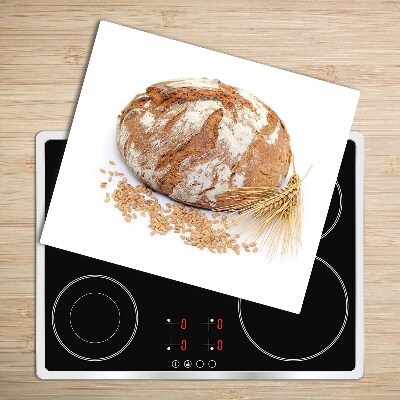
(213, 339)
(183, 323)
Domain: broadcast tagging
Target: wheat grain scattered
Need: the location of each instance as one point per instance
(191, 224)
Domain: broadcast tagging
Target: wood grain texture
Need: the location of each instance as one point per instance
(44, 49)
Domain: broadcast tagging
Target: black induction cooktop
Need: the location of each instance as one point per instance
(100, 320)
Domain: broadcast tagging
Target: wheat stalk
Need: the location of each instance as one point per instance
(272, 214)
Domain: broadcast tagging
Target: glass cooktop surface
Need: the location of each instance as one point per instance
(100, 317)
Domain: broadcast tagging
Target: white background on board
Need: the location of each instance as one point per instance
(318, 116)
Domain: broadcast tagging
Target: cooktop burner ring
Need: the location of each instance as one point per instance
(95, 341)
(315, 354)
(326, 233)
(131, 331)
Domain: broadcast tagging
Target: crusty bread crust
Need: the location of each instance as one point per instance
(193, 139)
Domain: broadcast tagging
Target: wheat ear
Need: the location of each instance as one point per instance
(272, 214)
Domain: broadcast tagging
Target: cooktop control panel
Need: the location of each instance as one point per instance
(104, 317)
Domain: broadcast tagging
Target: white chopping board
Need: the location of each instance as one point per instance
(124, 61)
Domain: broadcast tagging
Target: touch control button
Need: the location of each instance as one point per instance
(187, 364)
(212, 364)
(175, 364)
(199, 363)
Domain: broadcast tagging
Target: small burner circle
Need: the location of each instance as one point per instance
(339, 190)
(315, 354)
(91, 319)
(118, 335)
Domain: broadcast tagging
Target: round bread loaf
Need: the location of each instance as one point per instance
(193, 139)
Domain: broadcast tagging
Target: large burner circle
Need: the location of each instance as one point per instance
(294, 333)
(94, 318)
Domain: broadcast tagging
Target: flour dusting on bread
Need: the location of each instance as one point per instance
(198, 83)
(147, 120)
(195, 138)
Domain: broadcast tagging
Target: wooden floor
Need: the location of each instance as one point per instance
(44, 49)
